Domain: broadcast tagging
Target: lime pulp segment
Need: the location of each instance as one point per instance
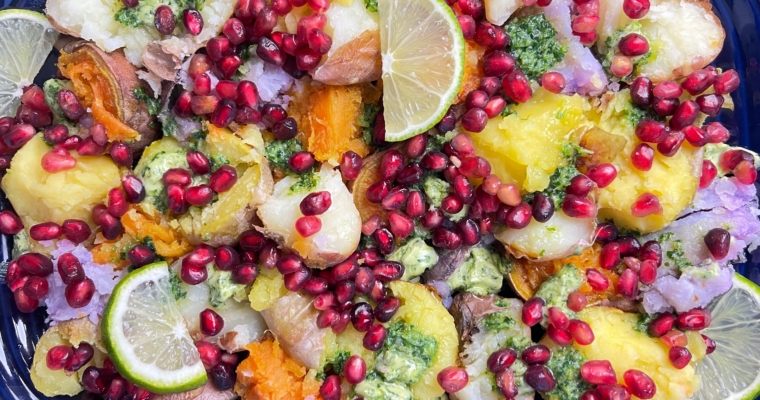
(423, 54)
(733, 370)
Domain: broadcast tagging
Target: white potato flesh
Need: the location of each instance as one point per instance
(557, 238)
(498, 11)
(684, 35)
(346, 23)
(341, 223)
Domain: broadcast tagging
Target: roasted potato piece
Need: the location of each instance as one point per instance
(38, 196)
(341, 223)
(525, 148)
(691, 44)
(112, 26)
(556, 238)
(498, 11)
(369, 174)
(673, 180)
(355, 53)
(106, 83)
(617, 340)
(293, 321)
(70, 333)
(485, 325)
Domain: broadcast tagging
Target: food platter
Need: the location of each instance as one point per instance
(19, 332)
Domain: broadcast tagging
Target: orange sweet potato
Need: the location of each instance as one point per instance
(332, 127)
(269, 374)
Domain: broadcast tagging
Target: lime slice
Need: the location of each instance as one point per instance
(423, 63)
(26, 38)
(146, 336)
(733, 370)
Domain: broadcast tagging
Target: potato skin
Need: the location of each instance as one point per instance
(357, 61)
(293, 321)
(467, 310)
(122, 77)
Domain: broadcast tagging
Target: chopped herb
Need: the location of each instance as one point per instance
(278, 152)
(519, 343)
(370, 5)
(560, 179)
(406, 354)
(217, 161)
(497, 321)
(176, 286)
(534, 45)
(632, 115)
(306, 183)
(367, 120)
(129, 17)
(642, 324)
(153, 105)
(338, 361)
(508, 110)
(566, 363)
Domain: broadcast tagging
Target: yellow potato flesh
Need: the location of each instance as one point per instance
(525, 147)
(39, 196)
(617, 341)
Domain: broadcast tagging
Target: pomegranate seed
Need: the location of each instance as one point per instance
(612, 392)
(295, 281)
(540, 378)
(226, 89)
(224, 113)
(501, 360)
(79, 293)
(447, 123)
(198, 64)
(134, 190)
(176, 200)
(580, 186)
(581, 332)
(558, 318)
(315, 286)
(70, 105)
(674, 338)
(602, 174)
(661, 324)
(286, 129)
(495, 106)
(234, 31)
(576, 301)
(609, 257)
(218, 48)
(410, 175)
(375, 337)
(639, 384)
(193, 274)
(646, 204)
(446, 239)
(401, 225)
(695, 136)
(13, 275)
(34, 97)
(490, 36)
(45, 231)
(621, 66)
(667, 90)
(475, 167)
(532, 311)
(36, 287)
(665, 107)
(597, 280)
(355, 369)
(265, 22)
(519, 216)
(384, 239)
(651, 131)
(432, 219)
(554, 82)
(453, 379)
(18, 135)
(536, 355)
(578, 207)
(694, 320)
(731, 158)
(559, 336)
(745, 172)
(281, 7)
(184, 105)
(327, 318)
(517, 87)
(635, 9)
(93, 381)
(641, 91)
(698, 81)
(245, 273)
(10, 223)
(199, 196)
(58, 356)
(505, 381)
(434, 161)
(642, 157)
(587, 38)
(290, 263)
(223, 179)
(710, 343)
(633, 45)
(648, 272)
(585, 23)
(686, 113)
(386, 308)
(330, 388)
(476, 99)
(362, 316)
(316, 203)
(364, 280)
(55, 134)
(469, 231)
(81, 356)
(710, 104)
(252, 240)
(451, 204)
(496, 63)
(110, 226)
(318, 41)
(415, 146)
(391, 164)
(679, 356)
(350, 165)
(726, 82)
(164, 20)
(606, 232)
(598, 372)
(475, 120)
(24, 303)
(35, 264)
(628, 284)
(308, 225)
(386, 271)
(268, 51)
(141, 255)
(210, 354)
(198, 162)
(193, 21)
(629, 246)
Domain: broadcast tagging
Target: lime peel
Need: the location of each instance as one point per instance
(423, 57)
(165, 362)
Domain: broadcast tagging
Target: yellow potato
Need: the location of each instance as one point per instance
(525, 147)
(38, 196)
(616, 340)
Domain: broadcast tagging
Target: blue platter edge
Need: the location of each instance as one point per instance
(741, 51)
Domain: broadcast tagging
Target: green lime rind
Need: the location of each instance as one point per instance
(732, 371)
(447, 98)
(121, 351)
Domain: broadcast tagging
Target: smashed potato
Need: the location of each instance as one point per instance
(39, 196)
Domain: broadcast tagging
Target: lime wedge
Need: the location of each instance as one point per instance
(26, 38)
(146, 336)
(423, 54)
(733, 370)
